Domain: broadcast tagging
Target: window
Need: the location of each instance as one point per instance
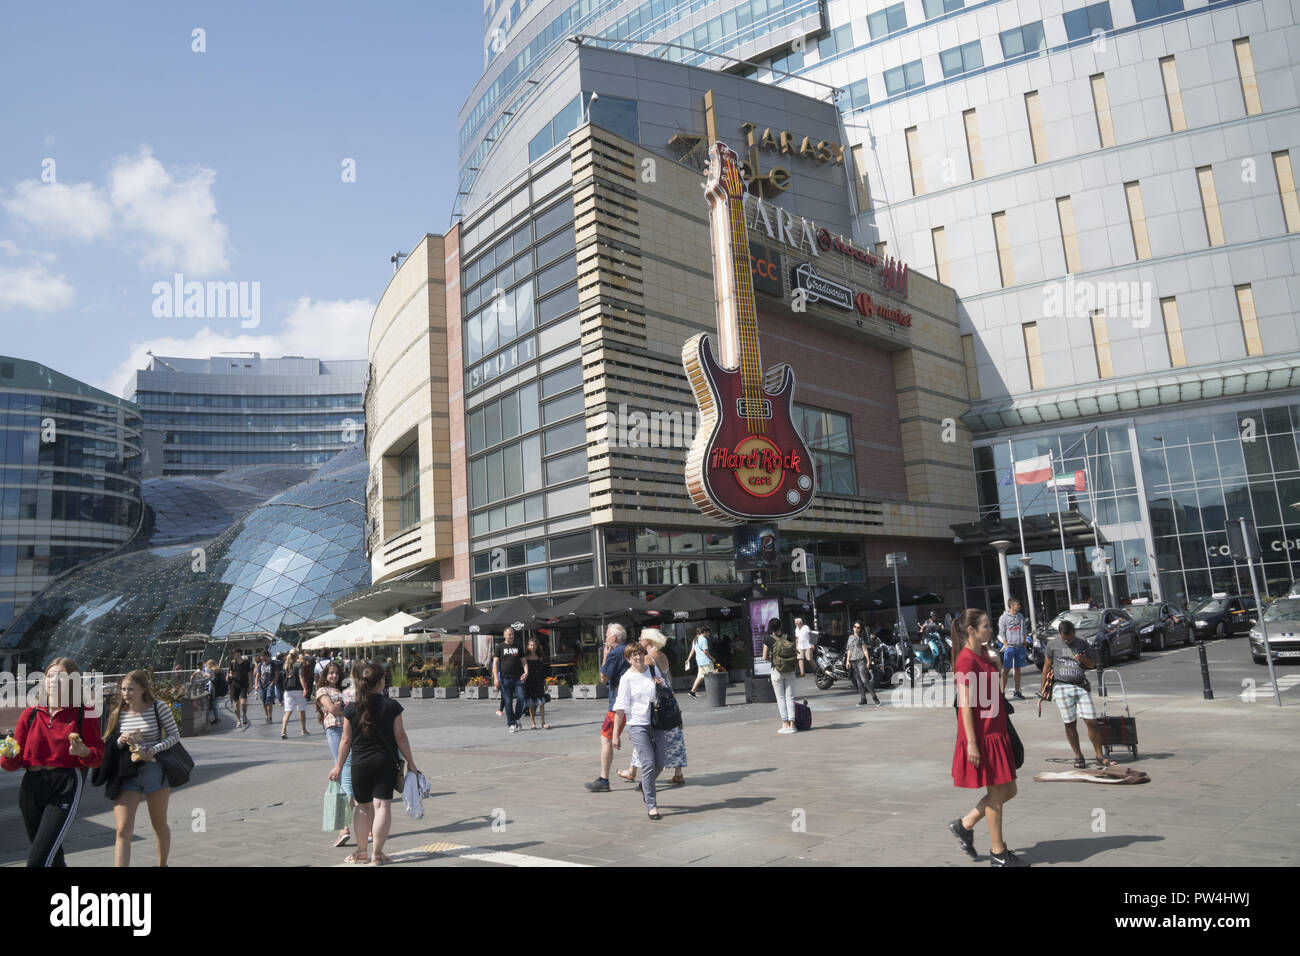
(408, 467)
(1037, 138)
(1144, 10)
(566, 407)
(972, 370)
(1101, 106)
(887, 21)
(829, 436)
(1101, 345)
(859, 154)
(1249, 324)
(1069, 240)
(961, 59)
(1137, 220)
(553, 218)
(1003, 236)
(562, 380)
(617, 115)
(1173, 94)
(1210, 205)
(1286, 189)
(974, 149)
(913, 141)
(1087, 20)
(1173, 332)
(567, 119)
(857, 95)
(940, 244)
(1023, 41)
(900, 79)
(937, 8)
(839, 40)
(789, 63)
(1246, 72)
(1033, 356)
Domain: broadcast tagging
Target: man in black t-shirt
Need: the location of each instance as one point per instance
(238, 679)
(509, 668)
(1066, 660)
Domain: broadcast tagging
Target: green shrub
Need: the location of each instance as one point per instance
(588, 669)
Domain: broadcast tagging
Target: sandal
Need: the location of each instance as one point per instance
(380, 859)
(1080, 763)
(546, 726)
(628, 775)
(342, 841)
(284, 736)
(1103, 764)
(360, 856)
(677, 781)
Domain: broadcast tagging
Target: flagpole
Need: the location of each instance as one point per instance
(1029, 581)
(1092, 504)
(1060, 526)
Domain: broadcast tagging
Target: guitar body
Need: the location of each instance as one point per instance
(734, 474)
(748, 461)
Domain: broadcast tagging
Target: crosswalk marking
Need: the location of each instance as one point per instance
(1283, 683)
(460, 851)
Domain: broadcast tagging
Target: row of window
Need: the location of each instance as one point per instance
(68, 451)
(235, 459)
(496, 296)
(189, 399)
(554, 336)
(46, 403)
(517, 413)
(68, 478)
(258, 420)
(563, 577)
(561, 548)
(505, 250)
(30, 560)
(555, 503)
(263, 439)
(43, 504)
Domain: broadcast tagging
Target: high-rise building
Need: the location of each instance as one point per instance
(70, 460)
(233, 410)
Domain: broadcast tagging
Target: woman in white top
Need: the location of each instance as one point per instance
(636, 696)
(147, 727)
(653, 640)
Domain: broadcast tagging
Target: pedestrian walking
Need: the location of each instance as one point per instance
(636, 697)
(328, 696)
(653, 641)
(277, 666)
(857, 657)
(509, 671)
(1066, 661)
(612, 667)
(295, 695)
(56, 745)
(308, 676)
(705, 662)
(1012, 634)
(803, 644)
(239, 679)
(373, 729)
(139, 728)
(212, 680)
(982, 756)
(538, 670)
(264, 683)
(781, 651)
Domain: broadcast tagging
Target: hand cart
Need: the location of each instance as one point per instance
(1116, 731)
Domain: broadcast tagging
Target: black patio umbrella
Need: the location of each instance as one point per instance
(597, 604)
(922, 597)
(518, 614)
(454, 620)
(684, 603)
(850, 596)
(758, 594)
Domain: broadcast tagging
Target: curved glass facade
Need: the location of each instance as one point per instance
(69, 478)
(179, 589)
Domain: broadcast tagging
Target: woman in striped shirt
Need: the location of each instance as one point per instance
(145, 726)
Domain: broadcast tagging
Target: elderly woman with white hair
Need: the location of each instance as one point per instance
(653, 640)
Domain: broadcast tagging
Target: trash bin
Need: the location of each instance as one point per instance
(715, 689)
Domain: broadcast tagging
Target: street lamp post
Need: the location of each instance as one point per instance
(1002, 547)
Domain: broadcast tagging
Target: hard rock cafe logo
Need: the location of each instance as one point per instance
(759, 465)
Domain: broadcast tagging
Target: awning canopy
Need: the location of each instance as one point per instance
(340, 636)
(1042, 532)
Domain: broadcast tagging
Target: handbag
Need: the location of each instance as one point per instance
(337, 812)
(175, 761)
(665, 714)
(1017, 748)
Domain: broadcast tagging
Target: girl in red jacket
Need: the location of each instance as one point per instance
(56, 745)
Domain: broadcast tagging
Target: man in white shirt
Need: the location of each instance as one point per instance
(803, 643)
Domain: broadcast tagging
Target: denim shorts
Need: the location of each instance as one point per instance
(1015, 656)
(148, 779)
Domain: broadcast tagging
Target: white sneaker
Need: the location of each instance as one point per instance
(786, 730)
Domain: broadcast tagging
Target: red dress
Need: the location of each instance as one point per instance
(997, 763)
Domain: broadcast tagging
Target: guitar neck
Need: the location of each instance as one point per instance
(734, 288)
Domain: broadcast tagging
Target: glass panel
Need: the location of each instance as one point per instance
(566, 436)
(570, 545)
(476, 433)
(566, 467)
(492, 423)
(524, 313)
(558, 381)
(510, 416)
(562, 303)
(528, 407)
(568, 576)
(567, 501)
(532, 463)
(561, 408)
(495, 477)
(512, 463)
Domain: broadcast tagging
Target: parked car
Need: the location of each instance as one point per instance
(1283, 622)
(1110, 631)
(1223, 615)
(1160, 625)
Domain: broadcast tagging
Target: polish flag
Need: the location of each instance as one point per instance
(1032, 471)
(1070, 482)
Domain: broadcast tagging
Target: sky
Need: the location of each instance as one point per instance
(293, 155)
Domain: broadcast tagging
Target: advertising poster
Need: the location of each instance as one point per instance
(760, 613)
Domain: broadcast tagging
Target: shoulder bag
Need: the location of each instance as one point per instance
(665, 714)
(175, 761)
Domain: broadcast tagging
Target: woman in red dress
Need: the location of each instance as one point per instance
(983, 755)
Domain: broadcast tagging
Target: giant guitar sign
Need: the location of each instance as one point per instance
(748, 461)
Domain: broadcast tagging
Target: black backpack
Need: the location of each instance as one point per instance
(219, 686)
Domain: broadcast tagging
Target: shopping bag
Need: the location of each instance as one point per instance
(337, 810)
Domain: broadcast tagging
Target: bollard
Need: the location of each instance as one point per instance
(1206, 692)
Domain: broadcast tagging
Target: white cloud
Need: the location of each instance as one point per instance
(176, 218)
(330, 330)
(33, 288)
(169, 217)
(75, 212)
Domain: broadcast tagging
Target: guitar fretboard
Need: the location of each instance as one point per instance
(751, 363)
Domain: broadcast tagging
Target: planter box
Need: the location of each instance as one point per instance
(560, 691)
(194, 716)
(399, 692)
(683, 683)
(422, 693)
(474, 693)
(590, 691)
(494, 693)
(759, 690)
(446, 693)
(738, 676)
